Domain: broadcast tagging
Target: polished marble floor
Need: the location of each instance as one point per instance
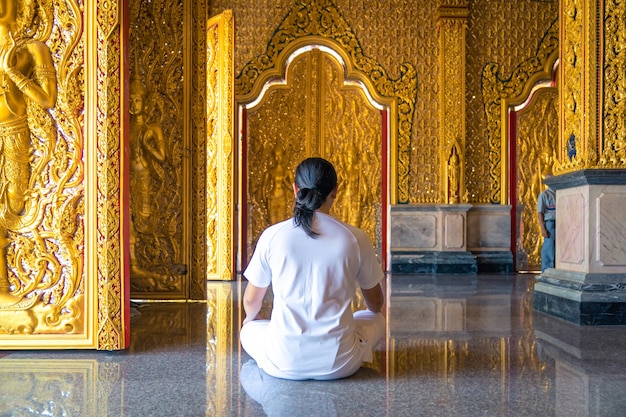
(455, 346)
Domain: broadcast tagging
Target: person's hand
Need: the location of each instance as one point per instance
(545, 233)
(248, 319)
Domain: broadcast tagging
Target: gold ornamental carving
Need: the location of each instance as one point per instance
(452, 24)
(499, 94)
(158, 139)
(506, 32)
(320, 18)
(42, 289)
(195, 70)
(61, 280)
(613, 153)
(576, 82)
(220, 148)
(106, 220)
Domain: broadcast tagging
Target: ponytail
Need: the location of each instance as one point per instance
(316, 179)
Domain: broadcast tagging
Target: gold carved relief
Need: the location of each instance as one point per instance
(614, 99)
(104, 125)
(196, 12)
(590, 86)
(453, 170)
(220, 149)
(506, 32)
(106, 191)
(63, 220)
(572, 82)
(158, 252)
(321, 18)
(499, 94)
(452, 24)
(42, 229)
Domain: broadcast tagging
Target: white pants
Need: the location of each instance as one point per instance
(370, 329)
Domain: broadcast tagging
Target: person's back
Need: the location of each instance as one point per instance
(314, 270)
(311, 331)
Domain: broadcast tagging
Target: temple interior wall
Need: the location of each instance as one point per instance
(395, 32)
(398, 31)
(167, 44)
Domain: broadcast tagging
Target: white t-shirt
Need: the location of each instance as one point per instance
(311, 331)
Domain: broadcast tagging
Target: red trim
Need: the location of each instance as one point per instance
(385, 185)
(513, 182)
(244, 190)
(125, 188)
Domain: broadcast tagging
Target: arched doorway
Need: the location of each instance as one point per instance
(315, 104)
(533, 140)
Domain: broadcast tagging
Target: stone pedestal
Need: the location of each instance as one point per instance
(430, 239)
(588, 283)
(451, 238)
(489, 237)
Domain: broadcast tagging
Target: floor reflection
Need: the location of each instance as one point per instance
(456, 345)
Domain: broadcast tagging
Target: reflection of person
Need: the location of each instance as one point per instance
(314, 263)
(546, 213)
(147, 148)
(279, 397)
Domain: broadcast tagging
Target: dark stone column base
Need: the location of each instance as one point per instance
(585, 299)
(419, 262)
(495, 262)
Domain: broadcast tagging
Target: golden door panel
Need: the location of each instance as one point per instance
(314, 113)
(537, 143)
(42, 209)
(158, 254)
(61, 215)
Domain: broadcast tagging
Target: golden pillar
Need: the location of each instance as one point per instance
(452, 18)
(592, 79)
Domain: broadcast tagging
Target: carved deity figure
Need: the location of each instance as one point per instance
(279, 183)
(147, 147)
(27, 74)
(453, 178)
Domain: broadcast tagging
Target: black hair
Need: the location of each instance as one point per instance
(316, 179)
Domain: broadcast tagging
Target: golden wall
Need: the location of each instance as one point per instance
(398, 31)
(170, 252)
